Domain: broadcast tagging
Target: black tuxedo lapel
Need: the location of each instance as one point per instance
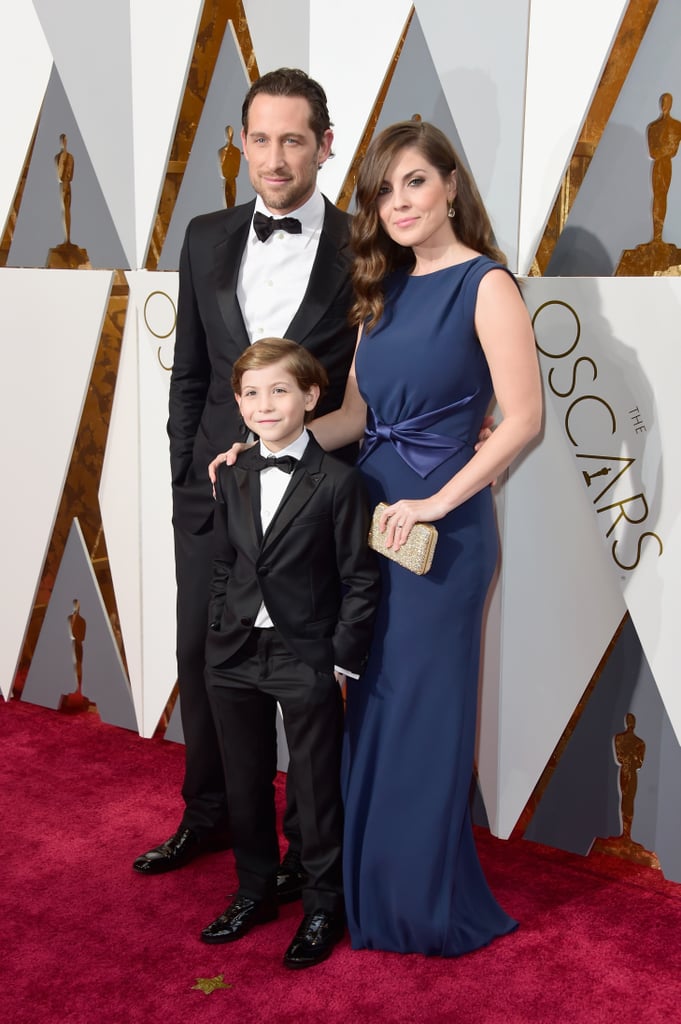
(248, 485)
(298, 493)
(253, 480)
(329, 274)
(301, 487)
(304, 482)
(227, 255)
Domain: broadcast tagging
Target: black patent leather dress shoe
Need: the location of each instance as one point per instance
(182, 847)
(240, 916)
(314, 941)
(290, 878)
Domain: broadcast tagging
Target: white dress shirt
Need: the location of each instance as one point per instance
(273, 483)
(274, 274)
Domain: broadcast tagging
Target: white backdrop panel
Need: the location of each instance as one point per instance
(50, 324)
(162, 42)
(156, 316)
(558, 609)
(612, 355)
(480, 52)
(351, 66)
(25, 61)
(135, 495)
(280, 33)
(564, 65)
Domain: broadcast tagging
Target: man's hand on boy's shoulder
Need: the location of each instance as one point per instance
(227, 458)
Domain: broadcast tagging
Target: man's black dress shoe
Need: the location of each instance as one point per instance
(182, 847)
(239, 917)
(290, 878)
(314, 941)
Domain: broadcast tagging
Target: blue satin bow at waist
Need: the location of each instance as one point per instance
(422, 451)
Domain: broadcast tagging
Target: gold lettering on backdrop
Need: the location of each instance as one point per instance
(66, 256)
(558, 303)
(553, 375)
(664, 137)
(596, 401)
(628, 509)
(629, 751)
(607, 464)
(644, 538)
(153, 313)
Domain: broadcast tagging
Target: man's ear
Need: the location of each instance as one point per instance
(325, 148)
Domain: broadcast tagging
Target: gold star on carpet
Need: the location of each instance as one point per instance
(209, 985)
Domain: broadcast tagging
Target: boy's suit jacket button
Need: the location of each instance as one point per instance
(263, 570)
(246, 622)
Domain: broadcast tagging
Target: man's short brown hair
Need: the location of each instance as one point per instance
(292, 82)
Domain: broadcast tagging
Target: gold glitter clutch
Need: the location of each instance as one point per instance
(416, 555)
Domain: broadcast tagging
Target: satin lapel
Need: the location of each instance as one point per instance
(300, 490)
(248, 483)
(227, 256)
(329, 274)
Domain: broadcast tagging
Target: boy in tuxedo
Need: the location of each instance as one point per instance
(293, 599)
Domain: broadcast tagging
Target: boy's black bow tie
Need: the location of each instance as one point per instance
(284, 462)
(264, 226)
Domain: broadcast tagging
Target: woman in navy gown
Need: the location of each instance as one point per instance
(443, 328)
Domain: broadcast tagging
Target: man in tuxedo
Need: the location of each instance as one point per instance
(277, 266)
(293, 600)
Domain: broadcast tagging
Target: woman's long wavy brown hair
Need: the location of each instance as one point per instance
(376, 255)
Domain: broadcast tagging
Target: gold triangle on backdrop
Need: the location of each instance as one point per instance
(215, 17)
(622, 55)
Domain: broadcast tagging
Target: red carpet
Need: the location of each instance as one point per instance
(84, 940)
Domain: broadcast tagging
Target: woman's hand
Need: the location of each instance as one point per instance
(229, 457)
(399, 518)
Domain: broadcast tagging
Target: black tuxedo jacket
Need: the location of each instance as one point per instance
(313, 567)
(211, 335)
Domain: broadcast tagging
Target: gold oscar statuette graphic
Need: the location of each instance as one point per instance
(230, 162)
(664, 138)
(77, 628)
(630, 752)
(66, 256)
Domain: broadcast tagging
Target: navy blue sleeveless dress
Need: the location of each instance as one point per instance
(413, 882)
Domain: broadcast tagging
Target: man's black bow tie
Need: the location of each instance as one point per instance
(264, 226)
(284, 462)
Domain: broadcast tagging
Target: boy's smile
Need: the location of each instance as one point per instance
(273, 405)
